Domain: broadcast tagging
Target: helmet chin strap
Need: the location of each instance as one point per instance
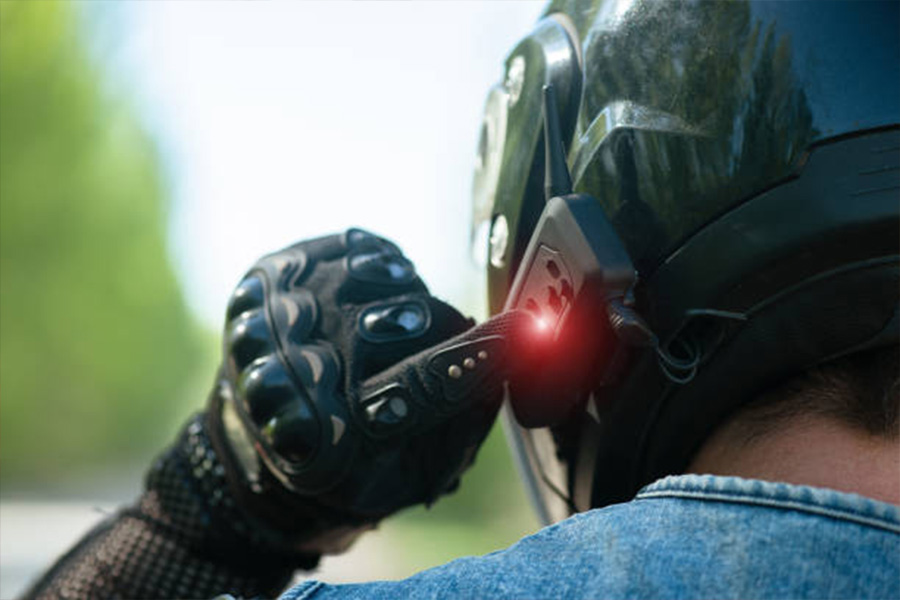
(557, 180)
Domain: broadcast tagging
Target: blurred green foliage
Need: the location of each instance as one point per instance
(96, 343)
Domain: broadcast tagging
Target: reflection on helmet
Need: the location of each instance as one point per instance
(747, 156)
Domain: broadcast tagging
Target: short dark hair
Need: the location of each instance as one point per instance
(861, 390)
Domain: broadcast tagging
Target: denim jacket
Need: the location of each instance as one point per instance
(687, 536)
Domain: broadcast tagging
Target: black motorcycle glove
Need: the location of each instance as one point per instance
(343, 397)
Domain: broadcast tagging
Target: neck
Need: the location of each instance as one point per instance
(809, 450)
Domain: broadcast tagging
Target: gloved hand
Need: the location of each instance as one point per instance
(344, 395)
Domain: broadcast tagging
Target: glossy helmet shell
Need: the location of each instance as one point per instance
(748, 155)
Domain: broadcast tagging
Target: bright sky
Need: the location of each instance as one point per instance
(281, 121)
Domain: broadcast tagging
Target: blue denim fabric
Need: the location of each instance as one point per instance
(690, 536)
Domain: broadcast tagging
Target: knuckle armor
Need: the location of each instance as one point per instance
(286, 378)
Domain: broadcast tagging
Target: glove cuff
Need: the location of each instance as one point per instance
(187, 490)
(185, 537)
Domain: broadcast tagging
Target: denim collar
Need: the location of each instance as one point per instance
(820, 501)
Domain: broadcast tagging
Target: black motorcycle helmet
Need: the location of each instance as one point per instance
(746, 157)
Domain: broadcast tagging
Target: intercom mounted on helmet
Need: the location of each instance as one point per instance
(746, 156)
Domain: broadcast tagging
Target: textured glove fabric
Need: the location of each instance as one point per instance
(183, 538)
